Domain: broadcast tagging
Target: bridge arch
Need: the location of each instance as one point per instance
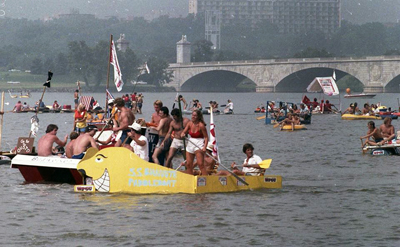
(218, 81)
(298, 81)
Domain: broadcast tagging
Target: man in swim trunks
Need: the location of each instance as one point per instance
(76, 98)
(176, 126)
(372, 132)
(45, 143)
(162, 129)
(387, 130)
(84, 141)
(126, 118)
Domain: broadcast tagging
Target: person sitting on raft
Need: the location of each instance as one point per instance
(387, 131)
(250, 164)
(372, 132)
(45, 143)
(328, 107)
(210, 163)
(291, 119)
(367, 110)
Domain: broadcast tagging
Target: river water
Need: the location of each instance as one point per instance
(332, 194)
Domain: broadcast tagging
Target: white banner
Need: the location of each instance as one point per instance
(117, 71)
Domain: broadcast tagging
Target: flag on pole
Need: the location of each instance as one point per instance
(117, 71)
(147, 68)
(109, 95)
(213, 138)
(334, 75)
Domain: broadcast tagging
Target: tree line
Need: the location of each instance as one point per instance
(79, 45)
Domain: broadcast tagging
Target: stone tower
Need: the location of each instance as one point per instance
(122, 43)
(183, 51)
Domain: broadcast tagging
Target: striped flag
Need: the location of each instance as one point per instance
(86, 100)
(213, 138)
(117, 71)
(109, 95)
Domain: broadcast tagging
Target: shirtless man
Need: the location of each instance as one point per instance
(176, 127)
(126, 118)
(162, 129)
(45, 143)
(366, 110)
(155, 117)
(387, 130)
(375, 133)
(350, 109)
(84, 141)
(69, 148)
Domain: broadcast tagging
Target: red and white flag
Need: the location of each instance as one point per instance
(213, 138)
(117, 71)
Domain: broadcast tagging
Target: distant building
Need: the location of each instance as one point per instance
(183, 50)
(291, 16)
(122, 43)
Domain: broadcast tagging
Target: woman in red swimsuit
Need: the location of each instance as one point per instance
(197, 142)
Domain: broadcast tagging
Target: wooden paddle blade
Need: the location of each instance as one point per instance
(262, 117)
(265, 163)
(276, 125)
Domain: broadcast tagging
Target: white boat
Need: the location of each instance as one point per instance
(360, 95)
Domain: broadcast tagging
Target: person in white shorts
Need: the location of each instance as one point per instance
(176, 126)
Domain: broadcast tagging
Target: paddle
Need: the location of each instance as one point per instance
(265, 164)
(276, 125)
(108, 122)
(209, 155)
(2, 115)
(262, 117)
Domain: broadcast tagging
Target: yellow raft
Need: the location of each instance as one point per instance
(296, 127)
(118, 170)
(359, 117)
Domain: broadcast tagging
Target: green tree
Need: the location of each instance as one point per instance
(159, 75)
(61, 64)
(202, 51)
(80, 60)
(129, 64)
(37, 67)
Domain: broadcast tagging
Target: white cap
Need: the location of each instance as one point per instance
(135, 126)
(110, 101)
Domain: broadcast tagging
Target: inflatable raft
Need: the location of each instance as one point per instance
(359, 117)
(296, 127)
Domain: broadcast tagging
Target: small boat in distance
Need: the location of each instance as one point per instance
(360, 95)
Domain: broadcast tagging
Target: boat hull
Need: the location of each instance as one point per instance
(51, 169)
(118, 170)
(359, 117)
(296, 127)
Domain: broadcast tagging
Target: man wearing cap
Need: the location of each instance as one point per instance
(125, 119)
(140, 144)
(84, 141)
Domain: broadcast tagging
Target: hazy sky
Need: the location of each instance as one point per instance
(356, 11)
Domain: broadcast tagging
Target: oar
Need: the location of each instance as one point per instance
(276, 125)
(262, 117)
(2, 115)
(108, 122)
(265, 164)
(233, 174)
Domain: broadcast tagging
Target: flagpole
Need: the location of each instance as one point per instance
(184, 141)
(108, 72)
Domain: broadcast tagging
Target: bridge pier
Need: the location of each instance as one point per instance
(374, 89)
(265, 89)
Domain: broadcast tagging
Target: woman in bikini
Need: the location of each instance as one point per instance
(197, 143)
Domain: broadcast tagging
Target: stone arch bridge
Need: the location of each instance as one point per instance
(373, 72)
